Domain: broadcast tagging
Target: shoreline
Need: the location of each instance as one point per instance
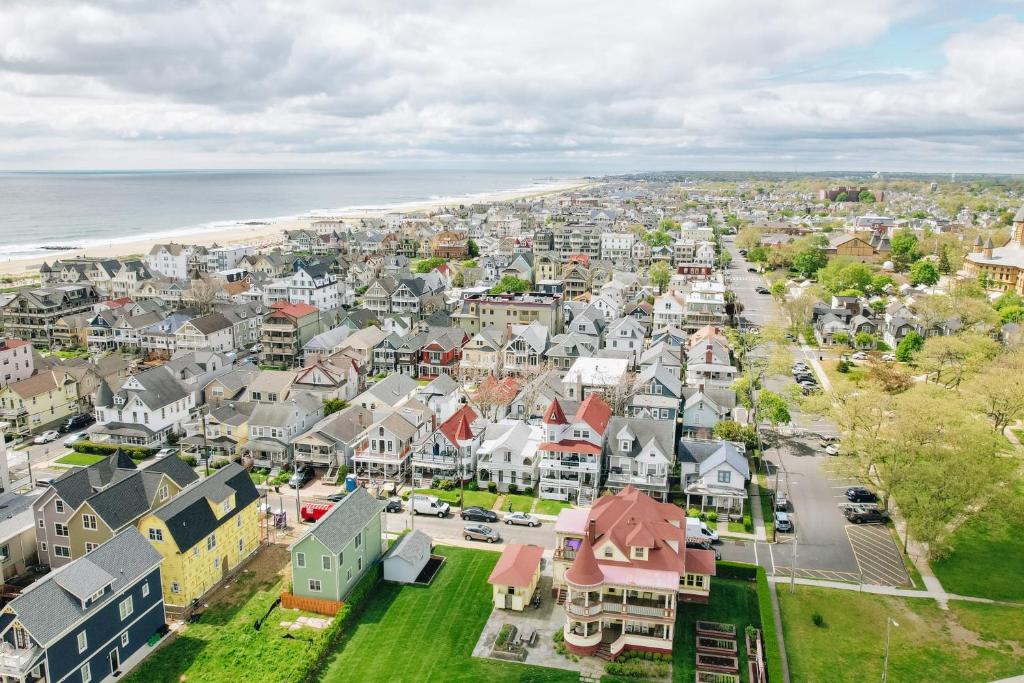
(265, 235)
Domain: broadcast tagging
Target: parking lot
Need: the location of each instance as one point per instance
(877, 556)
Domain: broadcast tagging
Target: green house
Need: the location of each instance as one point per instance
(335, 553)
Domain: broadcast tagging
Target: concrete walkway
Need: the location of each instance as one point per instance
(939, 596)
(755, 512)
(779, 635)
(812, 355)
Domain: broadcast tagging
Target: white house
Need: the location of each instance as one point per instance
(714, 475)
(594, 375)
(508, 455)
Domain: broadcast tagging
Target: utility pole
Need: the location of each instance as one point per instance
(889, 622)
(792, 573)
(206, 442)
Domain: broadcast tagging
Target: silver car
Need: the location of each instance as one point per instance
(522, 518)
(480, 532)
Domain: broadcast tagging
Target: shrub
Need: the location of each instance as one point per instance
(503, 635)
(492, 487)
(528, 491)
(472, 486)
(843, 366)
(445, 485)
(693, 512)
(818, 620)
(93, 448)
(217, 464)
(189, 460)
(513, 489)
(712, 516)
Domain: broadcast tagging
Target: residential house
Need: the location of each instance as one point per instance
(86, 506)
(641, 453)
(849, 246)
(441, 352)
(515, 577)
(274, 426)
(714, 475)
(571, 455)
(84, 621)
(508, 455)
(710, 364)
(620, 570)
(384, 452)
(627, 335)
(704, 407)
(33, 313)
(205, 533)
(567, 347)
(17, 533)
(484, 310)
(287, 329)
(669, 310)
(44, 399)
(144, 410)
(449, 453)
(524, 351)
(483, 354)
(172, 260)
(330, 443)
(595, 376)
(17, 360)
(311, 284)
(211, 332)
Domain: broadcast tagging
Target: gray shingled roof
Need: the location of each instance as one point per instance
(346, 519)
(50, 606)
(188, 516)
(413, 548)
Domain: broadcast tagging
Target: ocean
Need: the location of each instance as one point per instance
(83, 209)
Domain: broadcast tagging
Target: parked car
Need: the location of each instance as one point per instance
(76, 422)
(522, 519)
(864, 514)
(46, 437)
(762, 290)
(889, 358)
(743, 252)
(430, 505)
(394, 504)
(782, 502)
(164, 452)
(751, 270)
(337, 497)
(256, 348)
(783, 522)
(301, 477)
(311, 512)
(860, 355)
(480, 532)
(70, 441)
(831, 449)
(475, 513)
(859, 494)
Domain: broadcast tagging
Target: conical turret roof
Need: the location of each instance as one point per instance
(584, 571)
(554, 415)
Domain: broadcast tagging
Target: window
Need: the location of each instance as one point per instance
(211, 542)
(608, 552)
(42, 524)
(724, 476)
(145, 590)
(314, 585)
(86, 673)
(59, 506)
(238, 521)
(89, 547)
(349, 576)
(163, 492)
(156, 534)
(359, 539)
(126, 608)
(83, 642)
(60, 529)
(61, 551)
(216, 563)
(89, 522)
(42, 546)
(359, 563)
(124, 639)
(300, 560)
(325, 561)
(241, 545)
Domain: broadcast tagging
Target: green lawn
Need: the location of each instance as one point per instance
(986, 559)
(520, 503)
(733, 602)
(551, 507)
(79, 459)
(224, 647)
(484, 499)
(1019, 433)
(970, 642)
(415, 633)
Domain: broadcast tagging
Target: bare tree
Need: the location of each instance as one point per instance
(202, 292)
(619, 394)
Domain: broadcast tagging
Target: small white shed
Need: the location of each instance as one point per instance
(406, 559)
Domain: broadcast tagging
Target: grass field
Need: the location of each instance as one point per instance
(223, 646)
(79, 459)
(415, 633)
(970, 642)
(520, 503)
(986, 559)
(484, 499)
(732, 602)
(551, 507)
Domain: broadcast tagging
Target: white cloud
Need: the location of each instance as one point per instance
(627, 85)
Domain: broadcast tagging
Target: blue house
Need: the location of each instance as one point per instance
(81, 622)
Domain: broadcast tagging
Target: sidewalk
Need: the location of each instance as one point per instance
(939, 596)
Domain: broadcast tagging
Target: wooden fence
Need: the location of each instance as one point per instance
(318, 605)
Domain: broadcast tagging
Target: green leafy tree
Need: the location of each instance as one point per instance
(945, 266)
(758, 255)
(660, 274)
(773, 408)
(510, 283)
(903, 248)
(667, 225)
(473, 248)
(333, 405)
(864, 340)
(459, 280)
(842, 273)
(778, 290)
(658, 238)
(909, 347)
(924, 273)
(428, 264)
(866, 197)
(880, 282)
(730, 430)
(842, 197)
(809, 261)
(841, 338)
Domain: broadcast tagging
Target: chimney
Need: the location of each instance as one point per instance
(592, 532)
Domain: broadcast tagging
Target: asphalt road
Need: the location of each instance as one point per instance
(821, 546)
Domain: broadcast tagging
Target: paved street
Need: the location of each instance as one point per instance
(821, 545)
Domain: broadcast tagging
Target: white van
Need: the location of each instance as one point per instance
(429, 505)
(698, 532)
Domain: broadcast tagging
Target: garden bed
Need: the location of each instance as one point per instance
(716, 677)
(716, 629)
(719, 663)
(712, 645)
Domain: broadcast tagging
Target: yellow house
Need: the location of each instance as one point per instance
(516, 575)
(44, 399)
(206, 532)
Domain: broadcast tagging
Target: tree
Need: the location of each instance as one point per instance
(667, 225)
(924, 273)
(948, 360)
(510, 283)
(333, 405)
(844, 273)
(866, 197)
(800, 308)
(473, 249)
(730, 430)
(724, 258)
(879, 283)
(903, 249)
(773, 408)
(660, 275)
(908, 347)
(864, 340)
(841, 338)
(1001, 401)
(748, 238)
(758, 255)
(620, 394)
(658, 238)
(890, 378)
(809, 261)
(744, 391)
(459, 280)
(842, 197)
(778, 290)
(429, 264)
(945, 267)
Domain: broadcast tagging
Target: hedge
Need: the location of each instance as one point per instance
(736, 570)
(771, 641)
(329, 638)
(93, 448)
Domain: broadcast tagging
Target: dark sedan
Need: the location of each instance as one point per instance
(859, 494)
(478, 514)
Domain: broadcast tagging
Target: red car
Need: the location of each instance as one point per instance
(311, 512)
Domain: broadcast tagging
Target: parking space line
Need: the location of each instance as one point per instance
(876, 554)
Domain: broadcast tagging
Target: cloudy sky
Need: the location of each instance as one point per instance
(592, 86)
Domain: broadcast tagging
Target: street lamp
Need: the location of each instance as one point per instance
(889, 623)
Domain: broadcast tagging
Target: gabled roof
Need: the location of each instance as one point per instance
(554, 415)
(595, 412)
(517, 566)
(458, 428)
(344, 520)
(189, 517)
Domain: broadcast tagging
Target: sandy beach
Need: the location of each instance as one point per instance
(271, 233)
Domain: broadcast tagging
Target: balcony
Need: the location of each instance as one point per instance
(579, 609)
(16, 662)
(637, 479)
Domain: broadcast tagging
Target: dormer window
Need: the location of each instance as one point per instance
(625, 445)
(639, 553)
